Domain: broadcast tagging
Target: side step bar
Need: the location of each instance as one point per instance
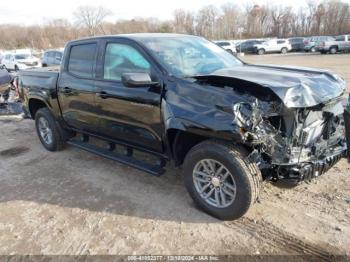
(127, 159)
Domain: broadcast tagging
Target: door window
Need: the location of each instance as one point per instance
(82, 60)
(121, 58)
(58, 56)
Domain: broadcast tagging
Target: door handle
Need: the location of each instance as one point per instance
(67, 90)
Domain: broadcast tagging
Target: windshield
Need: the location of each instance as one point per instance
(22, 56)
(190, 56)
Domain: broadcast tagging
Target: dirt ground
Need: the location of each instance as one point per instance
(73, 202)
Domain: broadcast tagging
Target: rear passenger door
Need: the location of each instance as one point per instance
(76, 87)
(130, 114)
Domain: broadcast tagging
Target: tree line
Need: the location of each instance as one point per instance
(230, 21)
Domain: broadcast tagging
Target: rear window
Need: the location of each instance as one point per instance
(82, 60)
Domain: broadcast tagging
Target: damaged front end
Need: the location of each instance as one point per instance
(297, 144)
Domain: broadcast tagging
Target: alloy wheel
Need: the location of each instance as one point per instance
(45, 130)
(214, 183)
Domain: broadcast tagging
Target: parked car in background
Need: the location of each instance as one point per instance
(273, 46)
(229, 46)
(17, 61)
(340, 44)
(312, 42)
(297, 43)
(247, 46)
(52, 57)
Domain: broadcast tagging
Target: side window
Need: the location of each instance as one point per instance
(58, 56)
(340, 38)
(121, 58)
(82, 60)
(280, 42)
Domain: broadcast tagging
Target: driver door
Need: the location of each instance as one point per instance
(130, 114)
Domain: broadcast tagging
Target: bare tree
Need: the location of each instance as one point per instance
(321, 17)
(206, 21)
(91, 18)
(184, 21)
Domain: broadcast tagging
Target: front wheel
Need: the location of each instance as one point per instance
(47, 130)
(220, 180)
(284, 50)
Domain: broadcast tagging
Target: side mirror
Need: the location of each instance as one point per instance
(137, 80)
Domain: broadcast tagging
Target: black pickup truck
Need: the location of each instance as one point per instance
(228, 124)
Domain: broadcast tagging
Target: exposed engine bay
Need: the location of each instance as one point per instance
(296, 143)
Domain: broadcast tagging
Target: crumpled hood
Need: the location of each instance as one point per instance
(295, 86)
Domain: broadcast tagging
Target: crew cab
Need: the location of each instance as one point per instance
(182, 99)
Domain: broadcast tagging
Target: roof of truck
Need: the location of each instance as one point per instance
(136, 36)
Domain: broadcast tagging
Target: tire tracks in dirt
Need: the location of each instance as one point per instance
(279, 239)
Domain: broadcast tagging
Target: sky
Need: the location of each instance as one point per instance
(29, 12)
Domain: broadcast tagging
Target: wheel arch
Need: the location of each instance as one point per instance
(334, 46)
(34, 104)
(180, 142)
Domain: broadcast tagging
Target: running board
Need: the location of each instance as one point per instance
(127, 159)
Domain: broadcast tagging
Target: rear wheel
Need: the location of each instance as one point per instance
(313, 49)
(333, 50)
(284, 50)
(48, 130)
(261, 51)
(220, 181)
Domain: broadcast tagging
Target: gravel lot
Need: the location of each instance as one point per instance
(73, 202)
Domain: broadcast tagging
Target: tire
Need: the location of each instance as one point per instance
(284, 50)
(261, 51)
(313, 50)
(333, 50)
(45, 124)
(243, 176)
